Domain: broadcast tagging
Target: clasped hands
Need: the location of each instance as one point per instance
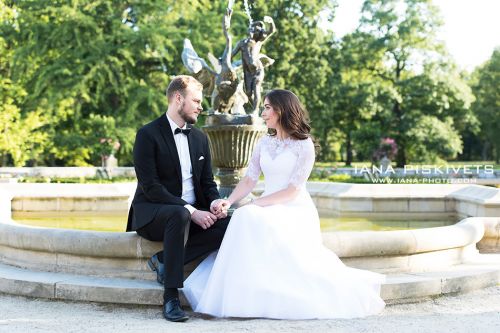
(218, 210)
(220, 207)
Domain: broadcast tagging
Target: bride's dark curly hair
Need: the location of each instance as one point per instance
(292, 115)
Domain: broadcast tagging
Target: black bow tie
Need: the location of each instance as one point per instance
(183, 131)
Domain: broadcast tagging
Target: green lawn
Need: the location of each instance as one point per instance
(75, 180)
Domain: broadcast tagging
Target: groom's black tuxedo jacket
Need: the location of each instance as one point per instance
(158, 171)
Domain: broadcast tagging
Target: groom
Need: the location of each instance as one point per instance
(176, 191)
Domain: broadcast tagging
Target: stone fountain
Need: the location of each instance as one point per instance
(233, 124)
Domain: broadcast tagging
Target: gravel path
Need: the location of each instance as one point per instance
(478, 311)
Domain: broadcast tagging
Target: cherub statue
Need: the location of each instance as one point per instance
(221, 82)
(253, 61)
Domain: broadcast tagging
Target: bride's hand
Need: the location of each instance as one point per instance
(215, 206)
(220, 207)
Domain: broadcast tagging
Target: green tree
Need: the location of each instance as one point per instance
(107, 57)
(487, 104)
(359, 98)
(424, 81)
(77, 59)
(440, 98)
(20, 138)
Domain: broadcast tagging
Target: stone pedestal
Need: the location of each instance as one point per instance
(232, 139)
(109, 161)
(108, 164)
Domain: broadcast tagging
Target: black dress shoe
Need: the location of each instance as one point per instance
(157, 267)
(172, 311)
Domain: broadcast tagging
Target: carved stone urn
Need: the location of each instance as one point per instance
(232, 139)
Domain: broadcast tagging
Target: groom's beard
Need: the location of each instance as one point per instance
(190, 119)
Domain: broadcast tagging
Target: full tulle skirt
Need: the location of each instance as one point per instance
(272, 264)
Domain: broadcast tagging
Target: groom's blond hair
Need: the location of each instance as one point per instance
(180, 83)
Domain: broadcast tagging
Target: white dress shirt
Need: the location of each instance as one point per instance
(181, 142)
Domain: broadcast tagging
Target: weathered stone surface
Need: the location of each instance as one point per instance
(483, 271)
(108, 262)
(419, 205)
(355, 205)
(126, 291)
(409, 287)
(464, 233)
(28, 283)
(390, 205)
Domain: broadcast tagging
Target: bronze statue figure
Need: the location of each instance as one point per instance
(226, 81)
(221, 82)
(253, 61)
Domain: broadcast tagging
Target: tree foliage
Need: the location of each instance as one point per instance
(80, 59)
(75, 72)
(422, 84)
(487, 104)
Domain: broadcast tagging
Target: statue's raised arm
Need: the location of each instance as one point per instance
(226, 24)
(272, 29)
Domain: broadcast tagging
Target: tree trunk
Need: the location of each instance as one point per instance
(348, 149)
(401, 156)
(324, 149)
(497, 157)
(485, 151)
(398, 113)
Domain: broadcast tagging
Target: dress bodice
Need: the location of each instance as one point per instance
(283, 162)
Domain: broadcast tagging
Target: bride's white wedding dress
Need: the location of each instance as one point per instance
(272, 262)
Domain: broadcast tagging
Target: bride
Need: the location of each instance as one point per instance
(272, 263)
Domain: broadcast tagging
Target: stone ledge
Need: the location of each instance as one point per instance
(345, 244)
(471, 193)
(123, 255)
(482, 272)
(491, 240)
(466, 200)
(382, 243)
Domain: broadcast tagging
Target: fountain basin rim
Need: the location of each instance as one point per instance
(345, 244)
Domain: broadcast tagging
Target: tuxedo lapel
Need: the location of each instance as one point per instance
(168, 136)
(192, 143)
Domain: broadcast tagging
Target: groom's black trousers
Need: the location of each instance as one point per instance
(169, 226)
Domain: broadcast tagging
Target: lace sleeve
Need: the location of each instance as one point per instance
(253, 170)
(304, 165)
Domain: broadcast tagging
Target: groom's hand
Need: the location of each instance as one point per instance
(203, 218)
